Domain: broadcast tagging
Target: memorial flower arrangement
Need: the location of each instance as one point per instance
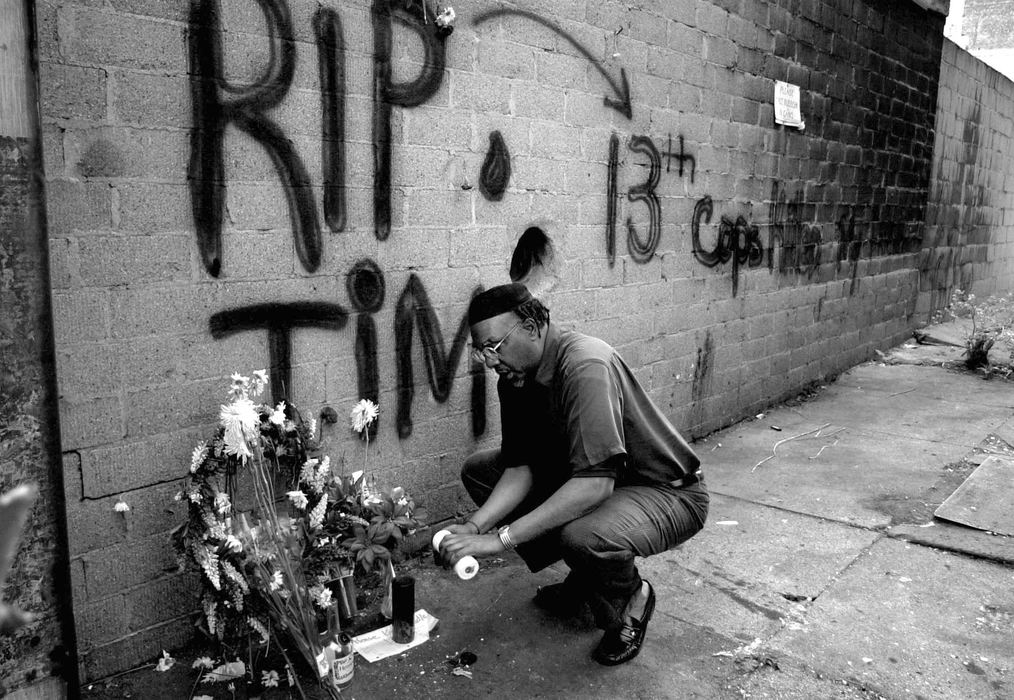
(271, 522)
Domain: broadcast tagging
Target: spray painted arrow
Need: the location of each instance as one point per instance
(621, 88)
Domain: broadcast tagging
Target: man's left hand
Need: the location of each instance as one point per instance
(455, 546)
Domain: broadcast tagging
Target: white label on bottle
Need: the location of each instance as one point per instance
(322, 665)
(344, 667)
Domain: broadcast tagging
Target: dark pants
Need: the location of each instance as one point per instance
(600, 547)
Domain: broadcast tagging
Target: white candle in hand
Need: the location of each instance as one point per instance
(466, 567)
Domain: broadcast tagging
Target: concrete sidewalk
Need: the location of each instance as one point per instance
(820, 574)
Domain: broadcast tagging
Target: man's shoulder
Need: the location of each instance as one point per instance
(577, 348)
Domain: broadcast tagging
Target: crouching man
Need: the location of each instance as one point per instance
(589, 470)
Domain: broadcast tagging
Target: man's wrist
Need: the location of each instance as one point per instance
(478, 530)
(504, 534)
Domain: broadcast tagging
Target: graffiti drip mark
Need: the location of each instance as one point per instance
(642, 250)
(365, 286)
(414, 309)
(278, 319)
(738, 241)
(702, 370)
(621, 87)
(614, 160)
(327, 28)
(245, 108)
(850, 247)
(408, 94)
(496, 169)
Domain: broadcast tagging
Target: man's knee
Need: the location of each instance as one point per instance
(580, 538)
(479, 474)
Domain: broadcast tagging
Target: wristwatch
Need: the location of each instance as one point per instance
(504, 533)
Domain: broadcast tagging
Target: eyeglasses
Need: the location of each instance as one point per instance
(489, 353)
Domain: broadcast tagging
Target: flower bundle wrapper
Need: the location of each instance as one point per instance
(379, 644)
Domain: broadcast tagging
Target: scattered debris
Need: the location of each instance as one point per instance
(166, 662)
(815, 432)
(727, 522)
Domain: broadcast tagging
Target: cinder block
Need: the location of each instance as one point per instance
(479, 92)
(52, 150)
(155, 207)
(711, 18)
(257, 206)
(172, 408)
(562, 71)
(101, 37)
(720, 51)
(442, 128)
(79, 316)
(107, 261)
(163, 10)
(63, 269)
(88, 422)
(476, 246)
(74, 206)
(506, 59)
(539, 174)
(133, 650)
(438, 208)
(552, 140)
(72, 92)
(94, 524)
(100, 621)
(531, 100)
(163, 600)
(646, 26)
(686, 39)
(151, 100)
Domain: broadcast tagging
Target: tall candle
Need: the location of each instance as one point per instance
(403, 609)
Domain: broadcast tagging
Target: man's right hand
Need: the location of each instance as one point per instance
(465, 528)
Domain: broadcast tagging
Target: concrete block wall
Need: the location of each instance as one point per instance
(969, 241)
(732, 261)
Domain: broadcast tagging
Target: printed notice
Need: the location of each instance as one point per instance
(787, 105)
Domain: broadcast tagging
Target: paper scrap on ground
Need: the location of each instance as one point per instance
(379, 644)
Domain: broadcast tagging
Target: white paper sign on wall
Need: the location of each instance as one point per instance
(787, 105)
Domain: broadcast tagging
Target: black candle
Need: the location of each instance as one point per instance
(403, 609)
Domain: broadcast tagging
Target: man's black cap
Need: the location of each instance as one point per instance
(497, 300)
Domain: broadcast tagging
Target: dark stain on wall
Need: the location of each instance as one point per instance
(534, 249)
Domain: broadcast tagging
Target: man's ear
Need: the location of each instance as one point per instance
(531, 327)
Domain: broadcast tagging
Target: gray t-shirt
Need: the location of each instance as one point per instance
(585, 414)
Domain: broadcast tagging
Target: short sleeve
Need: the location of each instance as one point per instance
(592, 405)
